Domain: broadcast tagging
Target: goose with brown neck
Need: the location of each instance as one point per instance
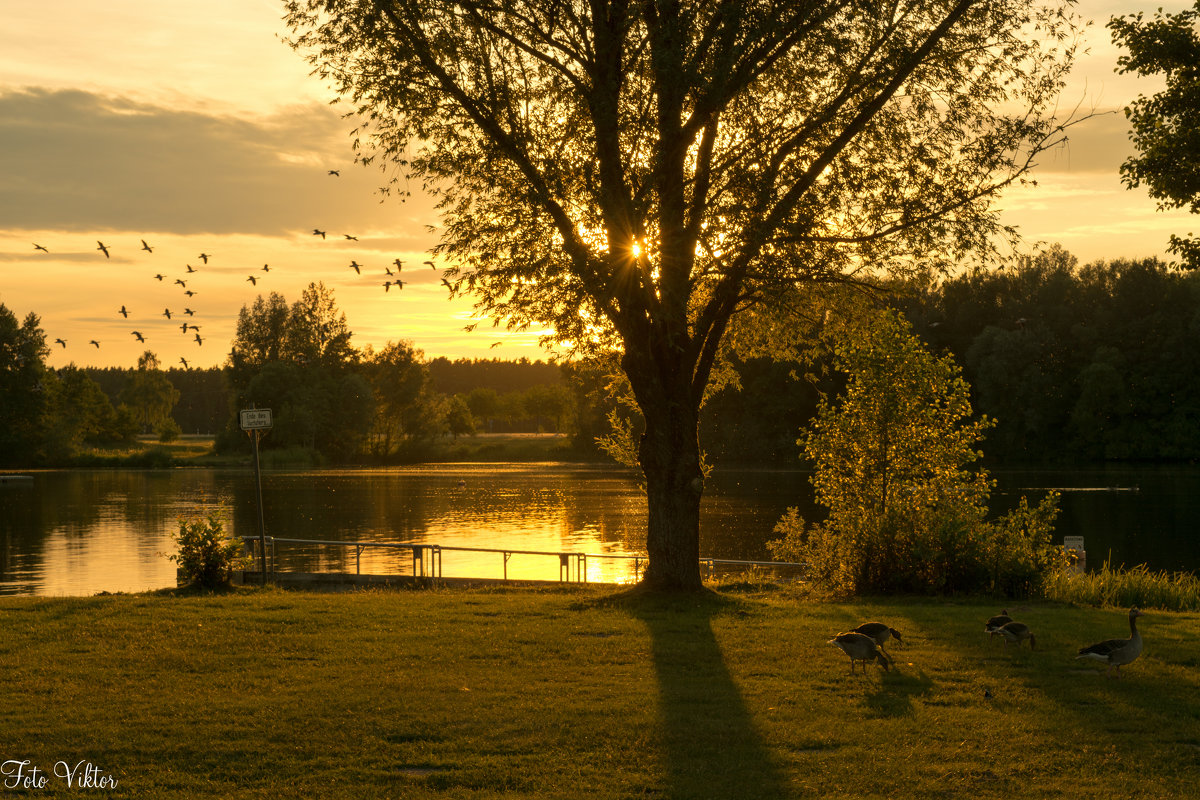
(1116, 653)
(1016, 632)
(859, 647)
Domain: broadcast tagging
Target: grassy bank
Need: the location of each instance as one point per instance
(520, 693)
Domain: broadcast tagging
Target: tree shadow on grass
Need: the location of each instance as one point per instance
(711, 748)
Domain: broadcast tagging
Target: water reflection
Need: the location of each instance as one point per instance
(81, 532)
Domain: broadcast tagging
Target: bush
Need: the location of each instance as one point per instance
(168, 430)
(207, 557)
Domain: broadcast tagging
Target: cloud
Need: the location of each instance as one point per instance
(79, 161)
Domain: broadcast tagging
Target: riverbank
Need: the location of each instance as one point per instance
(197, 450)
(568, 693)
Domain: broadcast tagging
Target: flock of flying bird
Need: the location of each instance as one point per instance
(866, 642)
(253, 279)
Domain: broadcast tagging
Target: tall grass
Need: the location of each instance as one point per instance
(1124, 587)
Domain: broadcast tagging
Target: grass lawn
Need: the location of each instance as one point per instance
(568, 693)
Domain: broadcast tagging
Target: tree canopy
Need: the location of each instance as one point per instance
(633, 175)
(1166, 125)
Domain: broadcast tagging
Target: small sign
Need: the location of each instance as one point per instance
(1073, 543)
(254, 419)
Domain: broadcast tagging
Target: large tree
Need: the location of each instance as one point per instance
(635, 174)
(1166, 125)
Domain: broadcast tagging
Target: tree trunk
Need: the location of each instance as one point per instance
(669, 453)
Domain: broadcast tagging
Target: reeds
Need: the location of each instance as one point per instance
(1124, 587)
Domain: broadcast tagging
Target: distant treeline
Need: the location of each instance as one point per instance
(1100, 362)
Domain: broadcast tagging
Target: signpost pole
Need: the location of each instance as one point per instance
(254, 422)
(262, 525)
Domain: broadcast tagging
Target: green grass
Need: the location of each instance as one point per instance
(571, 693)
(1126, 586)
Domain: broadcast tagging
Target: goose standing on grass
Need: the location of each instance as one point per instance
(859, 647)
(879, 633)
(1117, 652)
(1016, 632)
(994, 624)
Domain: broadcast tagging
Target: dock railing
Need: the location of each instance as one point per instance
(427, 558)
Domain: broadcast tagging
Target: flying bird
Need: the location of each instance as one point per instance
(253, 280)
(191, 269)
(183, 361)
(189, 312)
(317, 232)
(183, 327)
(266, 268)
(350, 238)
(203, 257)
(160, 276)
(446, 283)
(430, 263)
(93, 341)
(190, 293)
(399, 264)
(147, 247)
(198, 339)
(389, 272)
(181, 282)
(167, 313)
(124, 312)
(139, 336)
(387, 286)
(335, 172)
(355, 266)
(63, 342)
(37, 246)
(103, 248)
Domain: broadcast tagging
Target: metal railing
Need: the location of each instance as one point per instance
(427, 558)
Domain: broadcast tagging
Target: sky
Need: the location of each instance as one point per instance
(192, 127)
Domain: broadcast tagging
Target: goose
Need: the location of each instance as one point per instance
(189, 312)
(399, 264)
(190, 268)
(37, 246)
(124, 312)
(430, 263)
(183, 361)
(167, 313)
(994, 624)
(335, 173)
(266, 267)
(253, 280)
(103, 248)
(198, 339)
(147, 247)
(879, 633)
(354, 265)
(1016, 632)
(93, 341)
(204, 257)
(318, 232)
(859, 647)
(159, 277)
(181, 282)
(1117, 652)
(350, 238)
(139, 336)
(63, 342)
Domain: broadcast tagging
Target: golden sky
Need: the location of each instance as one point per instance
(192, 126)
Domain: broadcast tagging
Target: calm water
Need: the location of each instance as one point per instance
(81, 532)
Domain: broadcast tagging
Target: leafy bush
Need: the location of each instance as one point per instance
(206, 555)
(892, 463)
(168, 430)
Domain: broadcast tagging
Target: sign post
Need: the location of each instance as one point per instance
(255, 422)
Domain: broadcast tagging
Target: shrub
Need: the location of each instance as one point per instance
(207, 557)
(168, 430)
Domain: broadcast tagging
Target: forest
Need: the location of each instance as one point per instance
(1074, 363)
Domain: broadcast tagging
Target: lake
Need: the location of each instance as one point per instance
(79, 532)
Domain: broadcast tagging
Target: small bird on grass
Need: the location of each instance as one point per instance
(994, 624)
(1017, 632)
(1117, 652)
(860, 647)
(879, 633)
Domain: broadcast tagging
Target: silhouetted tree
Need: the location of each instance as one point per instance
(634, 175)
